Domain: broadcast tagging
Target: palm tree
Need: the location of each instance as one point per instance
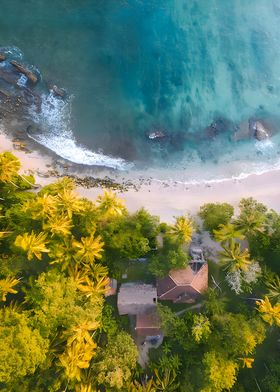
(234, 258)
(89, 248)
(80, 333)
(59, 225)
(42, 207)
(227, 232)
(9, 167)
(69, 202)
(183, 229)
(136, 386)
(273, 286)
(76, 357)
(63, 253)
(110, 205)
(165, 381)
(269, 313)
(89, 288)
(6, 286)
(33, 244)
(251, 223)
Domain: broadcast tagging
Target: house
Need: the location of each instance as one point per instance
(148, 323)
(136, 298)
(185, 285)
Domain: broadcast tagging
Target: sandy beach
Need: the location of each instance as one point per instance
(160, 199)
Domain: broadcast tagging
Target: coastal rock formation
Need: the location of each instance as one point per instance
(258, 130)
(20, 68)
(218, 126)
(57, 91)
(60, 92)
(2, 57)
(156, 135)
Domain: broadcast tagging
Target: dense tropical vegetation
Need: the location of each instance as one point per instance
(58, 332)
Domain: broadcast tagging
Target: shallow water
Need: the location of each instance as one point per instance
(132, 66)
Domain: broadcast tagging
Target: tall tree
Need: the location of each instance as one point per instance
(233, 258)
(182, 229)
(110, 205)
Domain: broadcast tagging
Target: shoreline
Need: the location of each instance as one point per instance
(160, 198)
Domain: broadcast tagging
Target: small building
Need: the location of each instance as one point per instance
(111, 288)
(148, 324)
(136, 298)
(184, 285)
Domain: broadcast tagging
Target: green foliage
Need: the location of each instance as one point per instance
(22, 347)
(220, 373)
(201, 328)
(61, 335)
(236, 335)
(116, 361)
(56, 303)
(171, 255)
(215, 214)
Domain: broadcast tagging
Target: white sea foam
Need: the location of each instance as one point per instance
(55, 120)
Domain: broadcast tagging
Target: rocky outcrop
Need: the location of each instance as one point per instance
(258, 130)
(59, 92)
(156, 135)
(2, 57)
(20, 68)
(219, 126)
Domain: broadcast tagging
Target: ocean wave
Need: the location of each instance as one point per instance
(55, 120)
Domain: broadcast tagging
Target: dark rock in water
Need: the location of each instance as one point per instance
(258, 130)
(60, 92)
(156, 135)
(218, 126)
(20, 68)
(2, 57)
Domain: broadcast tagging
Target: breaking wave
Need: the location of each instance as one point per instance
(54, 119)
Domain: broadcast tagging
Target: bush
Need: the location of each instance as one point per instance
(215, 214)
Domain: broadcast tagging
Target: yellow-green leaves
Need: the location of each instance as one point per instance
(220, 372)
(269, 313)
(201, 328)
(234, 258)
(7, 286)
(89, 248)
(183, 229)
(226, 233)
(110, 205)
(9, 166)
(79, 350)
(33, 244)
(59, 225)
(76, 357)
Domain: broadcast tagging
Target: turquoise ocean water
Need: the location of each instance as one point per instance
(131, 67)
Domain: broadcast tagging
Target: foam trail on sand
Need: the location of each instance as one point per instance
(55, 120)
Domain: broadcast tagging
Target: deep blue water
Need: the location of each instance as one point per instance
(134, 66)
